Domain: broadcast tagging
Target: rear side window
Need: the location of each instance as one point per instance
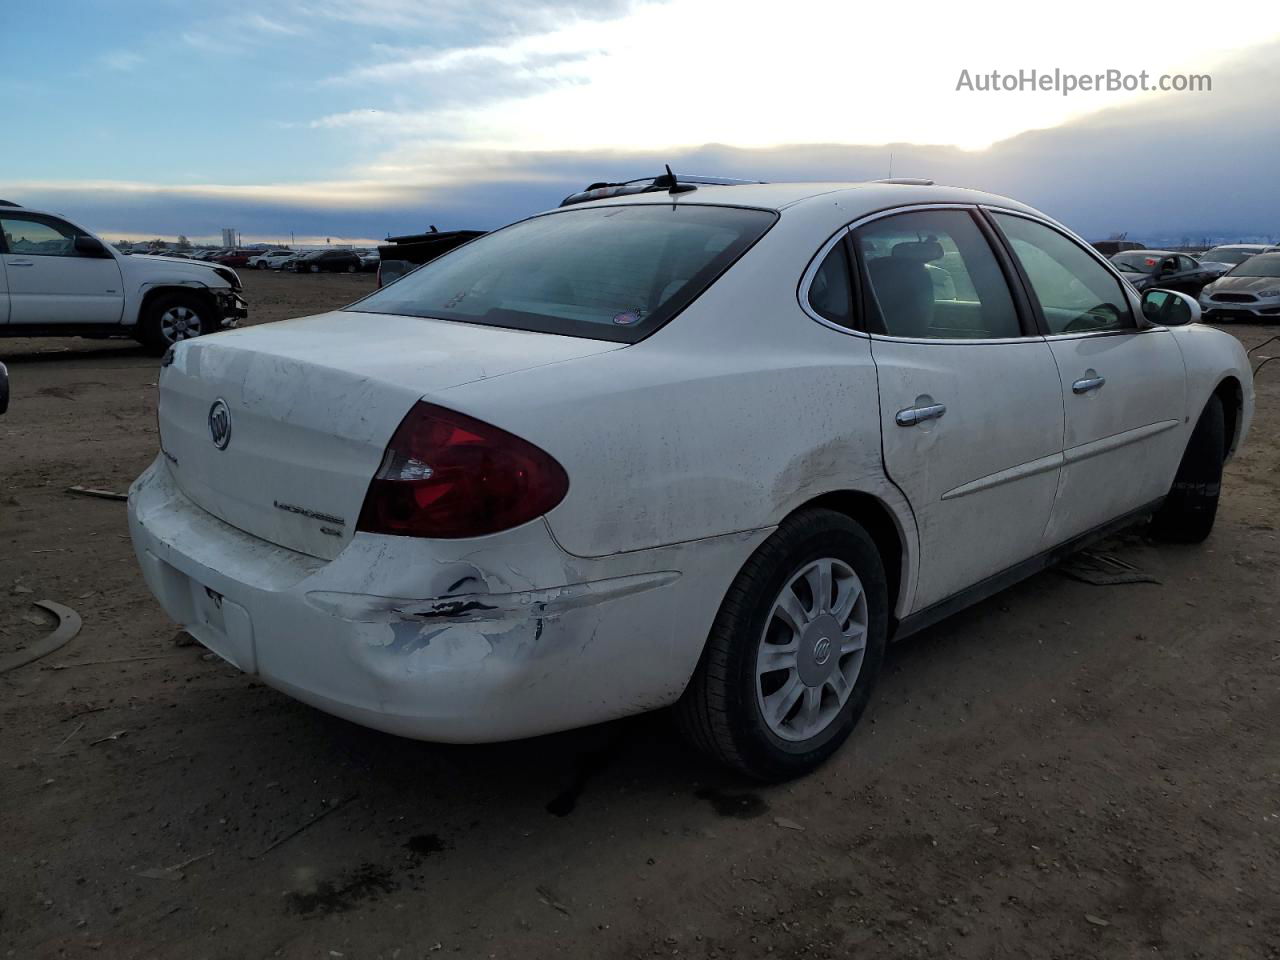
(608, 273)
(831, 292)
(934, 276)
(1077, 294)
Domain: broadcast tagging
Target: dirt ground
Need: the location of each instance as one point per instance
(1065, 770)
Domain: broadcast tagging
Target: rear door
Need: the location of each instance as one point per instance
(49, 281)
(1124, 387)
(970, 401)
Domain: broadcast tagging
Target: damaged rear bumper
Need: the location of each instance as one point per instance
(494, 638)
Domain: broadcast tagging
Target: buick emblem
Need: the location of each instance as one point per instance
(220, 423)
(821, 651)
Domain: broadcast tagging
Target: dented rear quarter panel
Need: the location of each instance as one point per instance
(738, 412)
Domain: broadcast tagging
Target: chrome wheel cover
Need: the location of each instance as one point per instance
(811, 650)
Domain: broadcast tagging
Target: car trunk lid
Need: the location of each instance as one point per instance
(309, 406)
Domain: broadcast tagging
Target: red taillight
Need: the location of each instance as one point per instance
(446, 475)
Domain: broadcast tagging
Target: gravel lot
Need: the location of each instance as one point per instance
(1065, 770)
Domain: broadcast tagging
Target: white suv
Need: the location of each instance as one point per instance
(59, 279)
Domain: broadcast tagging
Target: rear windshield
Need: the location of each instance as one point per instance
(608, 273)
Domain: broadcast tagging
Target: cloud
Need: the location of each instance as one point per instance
(689, 71)
(1162, 168)
(121, 60)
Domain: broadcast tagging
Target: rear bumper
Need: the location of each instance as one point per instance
(495, 638)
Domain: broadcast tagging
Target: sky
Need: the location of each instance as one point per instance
(356, 119)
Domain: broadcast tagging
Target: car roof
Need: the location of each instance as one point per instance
(1148, 253)
(843, 201)
(1240, 246)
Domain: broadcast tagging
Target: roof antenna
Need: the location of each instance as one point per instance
(669, 181)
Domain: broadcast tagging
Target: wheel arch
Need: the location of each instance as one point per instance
(1230, 391)
(882, 525)
(199, 291)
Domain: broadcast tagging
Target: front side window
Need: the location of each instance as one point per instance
(933, 275)
(609, 273)
(38, 238)
(1076, 293)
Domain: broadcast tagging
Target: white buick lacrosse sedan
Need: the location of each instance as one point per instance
(709, 448)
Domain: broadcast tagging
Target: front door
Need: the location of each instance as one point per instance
(1123, 387)
(49, 282)
(970, 401)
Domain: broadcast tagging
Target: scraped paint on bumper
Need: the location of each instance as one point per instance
(493, 638)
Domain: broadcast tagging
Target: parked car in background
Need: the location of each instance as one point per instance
(687, 449)
(235, 258)
(1234, 254)
(59, 279)
(267, 259)
(327, 261)
(1111, 247)
(400, 255)
(369, 260)
(1251, 291)
(1165, 269)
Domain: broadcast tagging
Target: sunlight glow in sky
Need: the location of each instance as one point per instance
(355, 104)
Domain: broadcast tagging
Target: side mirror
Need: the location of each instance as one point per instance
(90, 247)
(4, 388)
(1168, 308)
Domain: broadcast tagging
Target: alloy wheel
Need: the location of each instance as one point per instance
(180, 323)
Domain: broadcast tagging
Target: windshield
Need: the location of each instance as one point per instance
(1133, 263)
(1266, 265)
(1228, 255)
(609, 273)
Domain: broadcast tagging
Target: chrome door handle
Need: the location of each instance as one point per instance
(20, 263)
(913, 415)
(1088, 383)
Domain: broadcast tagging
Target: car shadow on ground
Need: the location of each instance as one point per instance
(52, 351)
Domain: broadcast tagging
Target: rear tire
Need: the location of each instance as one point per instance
(315, 268)
(351, 269)
(739, 707)
(1188, 512)
(173, 317)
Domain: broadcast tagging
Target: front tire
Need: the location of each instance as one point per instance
(172, 318)
(794, 652)
(1188, 512)
(315, 268)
